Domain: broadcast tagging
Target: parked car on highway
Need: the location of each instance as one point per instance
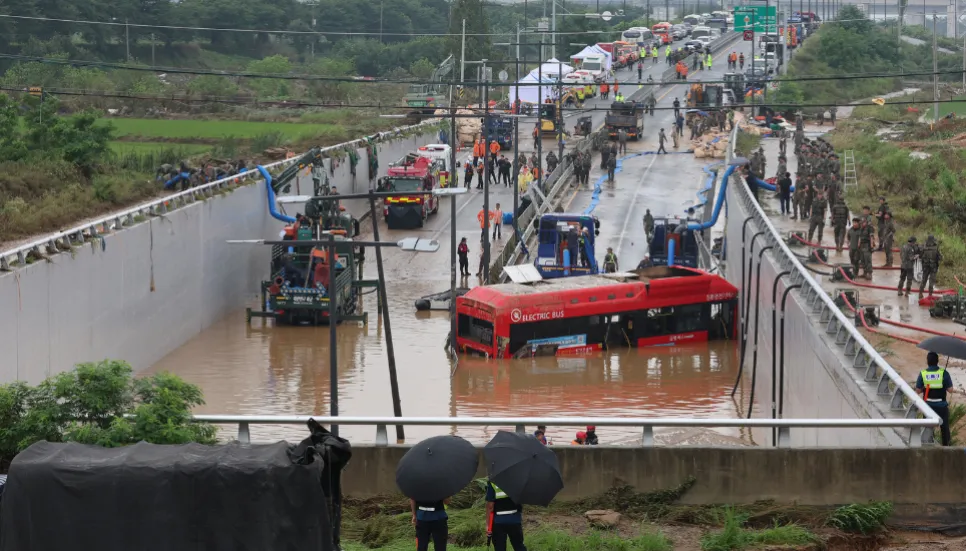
(678, 32)
(706, 40)
(694, 46)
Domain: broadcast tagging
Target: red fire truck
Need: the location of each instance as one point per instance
(414, 173)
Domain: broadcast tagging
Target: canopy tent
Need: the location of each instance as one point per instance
(552, 68)
(594, 50)
(529, 93)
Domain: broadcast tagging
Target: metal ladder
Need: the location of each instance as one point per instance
(851, 177)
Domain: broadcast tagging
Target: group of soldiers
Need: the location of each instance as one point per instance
(819, 190)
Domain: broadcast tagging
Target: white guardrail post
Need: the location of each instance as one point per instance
(520, 424)
(63, 241)
(897, 395)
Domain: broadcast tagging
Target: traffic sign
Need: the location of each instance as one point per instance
(749, 35)
(758, 17)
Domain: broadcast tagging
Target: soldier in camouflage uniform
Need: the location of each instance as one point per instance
(817, 218)
(866, 242)
(840, 222)
(931, 257)
(809, 194)
(880, 217)
(907, 262)
(887, 235)
(855, 238)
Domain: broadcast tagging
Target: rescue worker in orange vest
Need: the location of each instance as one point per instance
(494, 148)
(580, 440)
(482, 216)
(479, 151)
(604, 90)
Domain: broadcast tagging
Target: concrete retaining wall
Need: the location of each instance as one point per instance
(727, 475)
(819, 381)
(142, 292)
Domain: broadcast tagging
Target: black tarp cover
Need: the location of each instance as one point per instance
(173, 498)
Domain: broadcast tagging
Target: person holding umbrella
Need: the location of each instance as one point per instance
(934, 382)
(504, 519)
(521, 471)
(428, 475)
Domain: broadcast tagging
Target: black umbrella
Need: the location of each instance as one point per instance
(523, 468)
(437, 468)
(947, 346)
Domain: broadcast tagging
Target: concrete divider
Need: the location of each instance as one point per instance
(820, 366)
(725, 475)
(138, 293)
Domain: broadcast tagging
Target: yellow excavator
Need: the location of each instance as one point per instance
(551, 118)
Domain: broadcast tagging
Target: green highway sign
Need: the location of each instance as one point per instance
(757, 18)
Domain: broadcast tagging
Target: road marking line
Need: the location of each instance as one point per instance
(630, 210)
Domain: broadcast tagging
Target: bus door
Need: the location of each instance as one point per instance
(724, 320)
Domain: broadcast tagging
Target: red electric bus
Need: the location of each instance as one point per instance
(662, 32)
(578, 315)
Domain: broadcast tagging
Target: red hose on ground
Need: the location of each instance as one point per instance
(861, 316)
(817, 246)
(874, 286)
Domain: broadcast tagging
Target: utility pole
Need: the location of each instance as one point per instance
(380, 22)
(553, 29)
(560, 129)
(485, 272)
(452, 227)
(964, 62)
(152, 50)
(463, 57)
(516, 143)
(127, 40)
(935, 72)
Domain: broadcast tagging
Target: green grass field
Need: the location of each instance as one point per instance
(187, 130)
(122, 148)
(958, 106)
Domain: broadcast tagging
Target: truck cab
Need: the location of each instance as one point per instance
(686, 244)
(413, 173)
(553, 256)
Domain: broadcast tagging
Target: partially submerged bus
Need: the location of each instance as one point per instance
(654, 306)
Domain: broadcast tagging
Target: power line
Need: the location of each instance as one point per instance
(332, 105)
(374, 80)
(220, 29)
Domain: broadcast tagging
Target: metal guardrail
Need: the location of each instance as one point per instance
(63, 241)
(520, 424)
(891, 388)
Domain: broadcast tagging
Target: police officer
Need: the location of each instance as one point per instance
(610, 261)
(907, 261)
(504, 519)
(817, 219)
(855, 237)
(931, 257)
(840, 222)
(934, 382)
(887, 234)
(431, 522)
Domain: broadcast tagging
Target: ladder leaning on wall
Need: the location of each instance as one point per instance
(851, 176)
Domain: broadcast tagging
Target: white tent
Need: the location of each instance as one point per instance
(531, 93)
(594, 50)
(552, 68)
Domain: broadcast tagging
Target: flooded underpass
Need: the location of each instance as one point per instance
(285, 370)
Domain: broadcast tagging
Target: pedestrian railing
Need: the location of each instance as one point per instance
(521, 424)
(52, 244)
(893, 393)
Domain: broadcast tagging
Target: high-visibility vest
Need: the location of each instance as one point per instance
(933, 383)
(502, 505)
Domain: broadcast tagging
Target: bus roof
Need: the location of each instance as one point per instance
(662, 285)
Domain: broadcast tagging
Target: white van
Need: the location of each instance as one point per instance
(700, 31)
(596, 65)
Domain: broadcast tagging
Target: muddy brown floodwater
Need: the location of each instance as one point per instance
(285, 371)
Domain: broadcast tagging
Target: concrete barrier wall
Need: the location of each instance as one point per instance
(726, 475)
(142, 292)
(819, 380)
